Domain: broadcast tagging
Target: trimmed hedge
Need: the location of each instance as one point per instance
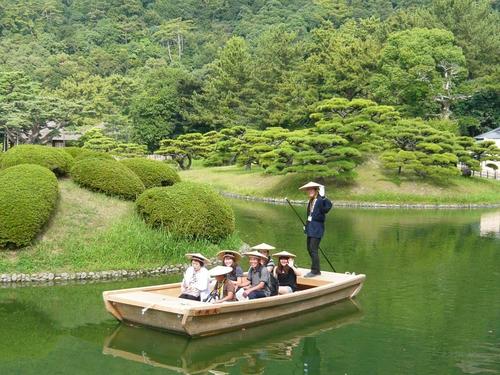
(107, 176)
(80, 153)
(151, 172)
(28, 193)
(187, 210)
(53, 158)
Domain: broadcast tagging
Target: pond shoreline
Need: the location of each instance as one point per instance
(358, 204)
(54, 278)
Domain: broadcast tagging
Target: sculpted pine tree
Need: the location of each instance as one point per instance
(224, 146)
(361, 122)
(129, 150)
(415, 148)
(184, 148)
(274, 153)
(253, 145)
(474, 153)
(94, 139)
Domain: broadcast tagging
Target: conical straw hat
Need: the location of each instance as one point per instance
(220, 270)
(263, 246)
(310, 185)
(196, 256)
(284, 254)
(236, 256)
(255, 254)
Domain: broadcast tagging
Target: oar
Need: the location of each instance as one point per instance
(304, 224)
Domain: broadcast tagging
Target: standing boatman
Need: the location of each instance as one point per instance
(317, 208)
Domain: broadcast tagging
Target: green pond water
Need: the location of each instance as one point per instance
(430, 305)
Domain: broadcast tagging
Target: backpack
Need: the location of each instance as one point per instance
(273, 282)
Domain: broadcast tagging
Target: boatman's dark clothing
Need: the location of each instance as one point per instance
(315, 228)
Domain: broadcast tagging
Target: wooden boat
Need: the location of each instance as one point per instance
(159, 306)
(278, 339)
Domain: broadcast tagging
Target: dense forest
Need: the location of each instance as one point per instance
(145, 71)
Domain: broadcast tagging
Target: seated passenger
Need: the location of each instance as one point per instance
(268, 262)
(286, 273)
(223, 290)
(258, 277)
(231, 258)
(196, 279)
(264, 249)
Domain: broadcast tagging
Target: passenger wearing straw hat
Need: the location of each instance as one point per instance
(231, 259)
(317, 208)
(223, 290)
(196, 281)
(268, 262)
(258, 277)
(264, 249)
(286, 273)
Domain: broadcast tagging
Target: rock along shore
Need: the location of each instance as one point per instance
(56, 277)
(365, 204)
(52, 278)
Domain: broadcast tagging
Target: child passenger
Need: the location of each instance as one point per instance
(195, 284)
(286, 273)
(231, 259)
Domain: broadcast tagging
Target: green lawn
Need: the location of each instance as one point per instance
(93, 232)
(371, 185)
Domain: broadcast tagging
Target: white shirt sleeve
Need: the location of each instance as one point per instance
(185, 281)
(203, 283)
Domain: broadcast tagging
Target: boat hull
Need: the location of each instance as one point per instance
(160, 309)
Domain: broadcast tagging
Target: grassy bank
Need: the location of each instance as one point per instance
(371, 185)
(94, 232)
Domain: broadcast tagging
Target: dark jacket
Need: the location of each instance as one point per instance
(316, 227)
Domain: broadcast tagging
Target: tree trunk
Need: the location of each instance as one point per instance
(182, 162)
(169, 52)
(179, 46)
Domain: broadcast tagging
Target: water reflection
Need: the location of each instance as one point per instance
(311, 356)
(430, 306)
(250, 349)
(490, 224)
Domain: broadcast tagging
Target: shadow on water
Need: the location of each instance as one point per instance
(276, 341)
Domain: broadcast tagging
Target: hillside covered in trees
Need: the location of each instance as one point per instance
(145, 71)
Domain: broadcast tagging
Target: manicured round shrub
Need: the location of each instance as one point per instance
(73, 151)
(152, 172)
(53, 158)
(107, 176)
(28, 196)
(188, 210)
(80, 153)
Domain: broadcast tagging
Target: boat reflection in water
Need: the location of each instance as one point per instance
(490, 224)
(276, 341)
